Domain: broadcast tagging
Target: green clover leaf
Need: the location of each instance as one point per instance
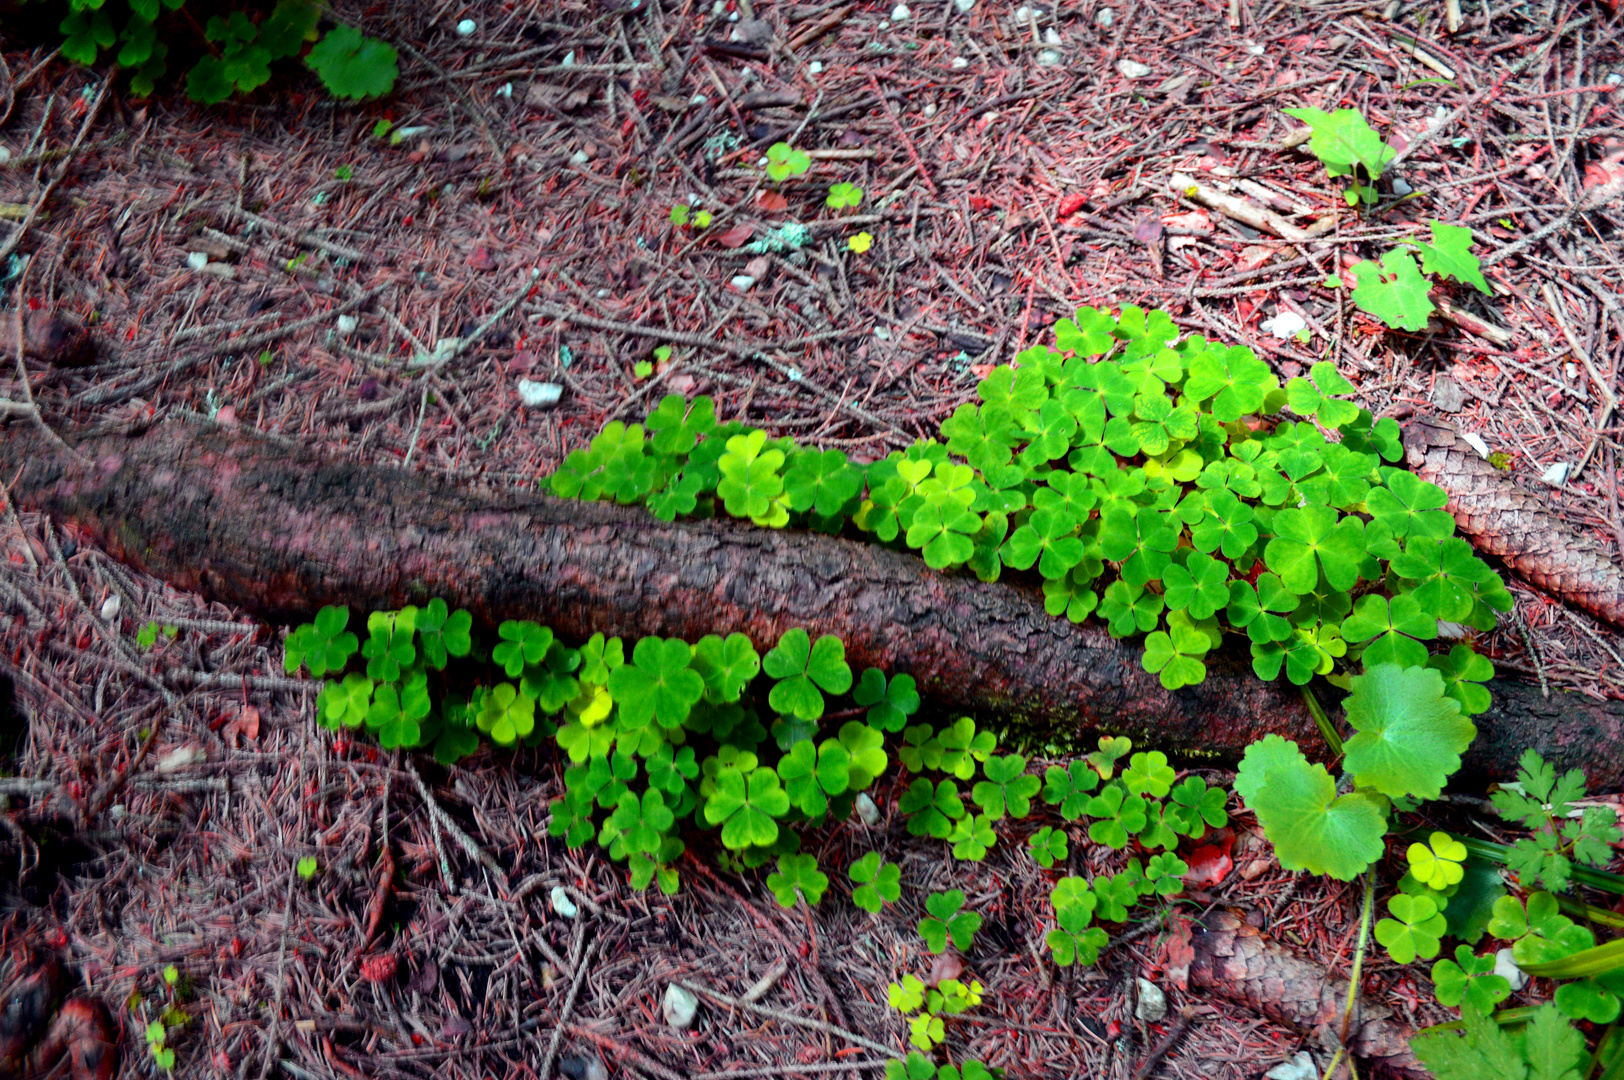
(323, 645)
(1462, 670)
(945, 920)
(1200, 586)
(1120, 816)
(945, 531)
(1395, 625)
(1049, 539)
(345, 704)
(1470, 979)
(1070, 788)
(783, 161)
(1048, 846)
(801, 668)
(934, 807)
(726, 665)
(669, 769)
(1319, 396)
(522, 643)
(1311, 540)
(878, 883)
(1415, 930)
(983, 436)
(506, 714)
(307, 867)
(1194, 806)
(1312, 828)
(1176, 655)
(658, 684)
(1235, 380)
(891, 704)
(1437, 863)
(1409, 506)
(798, 875)
(745, 806)
(1129, 609)
(1409, 736)
(1227, 524)
(811, 776)
(749, 475)
(1148, 774)
(843, 195)
(677, 425)
(972, 837)
(442, 633)
(1165, 873)
(643, 822)
(1140, 542)
(821, 481)
(395, 712)
(1445, 572)
(960, 747)
(1007, 787)
(1089, 334)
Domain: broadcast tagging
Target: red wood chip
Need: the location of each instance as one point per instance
(378, 968)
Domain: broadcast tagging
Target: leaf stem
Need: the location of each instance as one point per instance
(1358, 958)
(1332, 739)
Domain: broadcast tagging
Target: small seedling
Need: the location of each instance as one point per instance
(784, 161)
(162, 1056)
(307, 867)
(382, 128)
(147, 636)
(265, 358)
(345, 172)
(843, 195)
(860, 243)
(643, 369)
(1347, 146)
(946, 920)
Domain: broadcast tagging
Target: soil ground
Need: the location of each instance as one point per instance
(1015, 164)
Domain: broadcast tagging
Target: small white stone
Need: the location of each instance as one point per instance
(1255, 50)
(569, 59)
(1051, 36)
(1556, 475)
(347, 324)
(1105, 17)
(680, 1006)
(964, 6)
(815, 68)
(562, 903)
(5, 155)
(1299, 1067)
(1614, 79)
(718, 9)
(181, 757)
(866, 810)
(1507, 969)
(466, 27)
(1400, 187)
(1475, 441)
(900, 13)
(929, 110)
(197, 260)
(1132, 69)
(882, 333)
(109, 608)
(505, 90)
(1022, 14)
(595, 1069)
(1284, 325)
(742, 282)
(1152, 1003)
(539, 395)
(733, 16)
(579, 158)
(1572, 370)
(960, 63)
(1049, 57)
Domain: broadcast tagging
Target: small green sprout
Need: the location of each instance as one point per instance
(843, 195)
(265, 358)
(860, 243)
(171, 975)
(147, 636)
(643, 369)
(1048, 846)
(345, 172)
(946, 920)
(162, 1056)
(878, 883)
(679, 214)
(784, 161)
(798, 874)
(382, 128)
(307, 867)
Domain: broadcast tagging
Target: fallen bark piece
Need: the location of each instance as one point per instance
(1237, 961)
(1502, 519)
(282, 532)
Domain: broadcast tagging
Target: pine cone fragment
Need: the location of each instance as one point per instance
(1503, 519)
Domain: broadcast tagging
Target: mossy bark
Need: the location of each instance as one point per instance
(281, 531)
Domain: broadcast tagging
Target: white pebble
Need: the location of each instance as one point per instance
(569, 59)
(1614, 79)
(964, 6)
(466, 27)
(929, 110)
(347, 324)
(815, 68)
(680, 1006)
(1572, 369)
(1507, 969)
(5, 155)
(1022, 14)
(539, 394)
(1105, 17)
(1051, 36)
(900, 13)
(1556, 475)
(109, 609)
(197, 260)
(1299, 1067)
(1132, 69)
(1152, 1004)
(505, 90)
(960, 63)
(562, 903)
(718, 9)
(866, 809)
(1400, 187)
(579, 158)
(1049, 57)
(1255, 50)
(1475, 441)
(742, 282)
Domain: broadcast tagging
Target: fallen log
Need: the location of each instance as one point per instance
(281, 531)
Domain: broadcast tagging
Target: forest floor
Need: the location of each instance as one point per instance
(1015, 164)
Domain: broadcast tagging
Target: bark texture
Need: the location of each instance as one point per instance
(280, 531)
(1499, 517)
(1237, 961)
